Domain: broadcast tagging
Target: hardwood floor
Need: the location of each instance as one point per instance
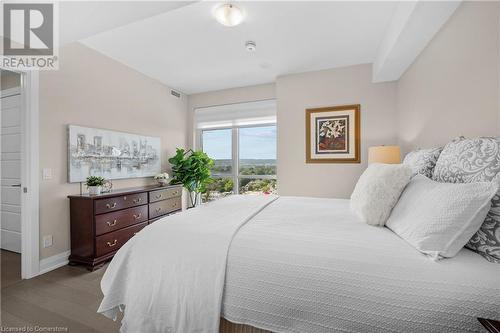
(10, 268)
(67, 297)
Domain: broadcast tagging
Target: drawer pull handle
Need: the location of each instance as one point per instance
(137, 200)
(109, 206)
(111, 224)
(174, 205)
(113, 244)
(158, 209)
(137, 216)
(175, 193)
(158, 196)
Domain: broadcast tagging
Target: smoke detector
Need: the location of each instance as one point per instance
(250, 46)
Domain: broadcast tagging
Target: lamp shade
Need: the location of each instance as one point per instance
(384, 154)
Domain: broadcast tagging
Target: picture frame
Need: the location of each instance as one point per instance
(111, 154)
(333, 134)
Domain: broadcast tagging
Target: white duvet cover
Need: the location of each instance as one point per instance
(170, 276)
(310, 265)
(294, 265)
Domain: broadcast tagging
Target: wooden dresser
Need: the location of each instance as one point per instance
(101, 224)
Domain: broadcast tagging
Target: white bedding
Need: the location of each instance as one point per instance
(299, 265)
(309, 265)
(170, 277)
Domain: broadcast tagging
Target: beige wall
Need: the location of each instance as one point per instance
(9, 80)
(294, 94)
(349, 85)
(226, 96)
(453, 88)
(92, 90)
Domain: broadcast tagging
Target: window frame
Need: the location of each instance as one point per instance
(235, 152)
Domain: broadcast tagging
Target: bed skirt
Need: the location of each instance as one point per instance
(229, 327)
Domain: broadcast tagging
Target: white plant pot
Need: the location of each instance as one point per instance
(163, 182)
(95, 190)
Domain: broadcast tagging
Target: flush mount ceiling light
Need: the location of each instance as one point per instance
(228, 15)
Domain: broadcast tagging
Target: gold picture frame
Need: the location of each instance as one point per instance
(333, 134)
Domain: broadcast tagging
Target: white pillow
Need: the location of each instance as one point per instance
(378, 190)
(438, 219)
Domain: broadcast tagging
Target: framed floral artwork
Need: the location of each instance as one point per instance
(333, 134)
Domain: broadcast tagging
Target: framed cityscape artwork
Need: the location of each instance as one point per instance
(111, 154)
(333, 134)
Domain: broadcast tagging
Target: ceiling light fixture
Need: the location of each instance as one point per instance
(228, 15)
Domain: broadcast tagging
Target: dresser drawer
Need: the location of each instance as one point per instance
(123, 218)
(120, 202)
(164, 207)
(114, 240)
(168, 193)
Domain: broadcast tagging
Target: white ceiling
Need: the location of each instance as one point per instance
(82, 19)
(412, 27)
(188, 50)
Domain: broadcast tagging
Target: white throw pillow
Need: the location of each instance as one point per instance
(438, 219)
(377, 191)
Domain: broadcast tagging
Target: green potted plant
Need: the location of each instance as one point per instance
(191, 169)
(94, 184)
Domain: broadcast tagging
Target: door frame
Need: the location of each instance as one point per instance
(30, 224)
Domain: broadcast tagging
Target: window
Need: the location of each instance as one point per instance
(257, 160)
(241, 139)
(218, 145)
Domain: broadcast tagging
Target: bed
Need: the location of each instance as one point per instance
(291, 264)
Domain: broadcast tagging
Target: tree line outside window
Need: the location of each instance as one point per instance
(244, 160)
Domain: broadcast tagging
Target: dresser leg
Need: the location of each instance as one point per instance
(92, 268)
(89, 264)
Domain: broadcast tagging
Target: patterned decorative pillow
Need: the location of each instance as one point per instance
(423, 161)
(475, 160)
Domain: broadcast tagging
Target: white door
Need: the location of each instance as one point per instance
(10, 225)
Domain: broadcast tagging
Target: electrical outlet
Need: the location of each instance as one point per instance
(47, 241)
(46, 174)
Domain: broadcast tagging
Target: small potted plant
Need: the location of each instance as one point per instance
(94, 184)
(162, 178)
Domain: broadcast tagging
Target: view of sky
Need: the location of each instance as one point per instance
(255, 143)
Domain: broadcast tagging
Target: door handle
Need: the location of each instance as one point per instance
(15, 185)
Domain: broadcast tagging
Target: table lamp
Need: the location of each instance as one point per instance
(384, 154)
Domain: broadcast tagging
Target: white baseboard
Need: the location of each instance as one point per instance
(56, 261)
